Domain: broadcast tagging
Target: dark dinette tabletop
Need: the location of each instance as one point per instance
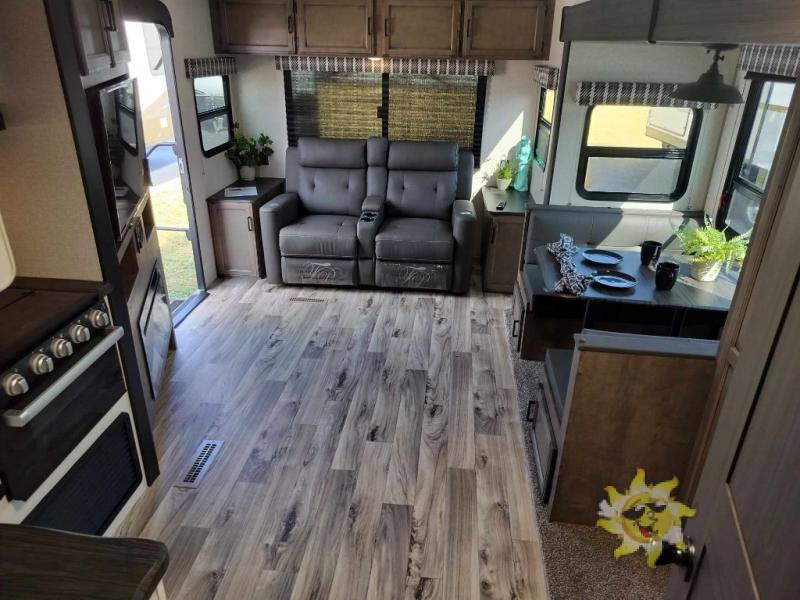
(687, 293)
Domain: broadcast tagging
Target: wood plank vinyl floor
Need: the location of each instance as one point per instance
(372, 450)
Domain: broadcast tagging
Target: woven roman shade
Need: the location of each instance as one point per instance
(546, 77)
(625, 93)
(770, 59)
(406, 66)
(209, 67)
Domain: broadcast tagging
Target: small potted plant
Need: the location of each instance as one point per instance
(709, 249)
(504, 174)
(247, 153)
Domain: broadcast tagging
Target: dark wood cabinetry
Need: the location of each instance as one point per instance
(502, 29)
(421, 27)
(101, 39)
(236, 230)
(335, 27)
(507, 29)
(503, 233)
(254, 26)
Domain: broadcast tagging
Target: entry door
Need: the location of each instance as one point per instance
(746, 532)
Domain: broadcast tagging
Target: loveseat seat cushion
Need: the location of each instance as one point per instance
(322, 236)
(415, 240)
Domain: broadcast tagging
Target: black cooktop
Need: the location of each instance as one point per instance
(33, 309)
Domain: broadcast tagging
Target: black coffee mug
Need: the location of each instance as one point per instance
(666, 275)
(650, 252)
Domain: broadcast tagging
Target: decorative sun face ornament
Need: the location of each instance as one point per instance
(644, 517)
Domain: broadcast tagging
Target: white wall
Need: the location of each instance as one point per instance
(193, 39)
(42, 197)
(635, 62)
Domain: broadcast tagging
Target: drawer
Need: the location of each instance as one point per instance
(544, 445)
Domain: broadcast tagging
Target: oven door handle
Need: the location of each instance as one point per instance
(20, 418)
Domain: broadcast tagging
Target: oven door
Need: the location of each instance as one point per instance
(38, 433)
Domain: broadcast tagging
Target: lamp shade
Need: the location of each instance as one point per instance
(710, 87)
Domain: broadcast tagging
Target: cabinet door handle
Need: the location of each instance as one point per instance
(494, 232)
(469, 27)
(514, 325)
(249, 223)
(369, 25)
(386, 27)
(112, 19)
(291, 23)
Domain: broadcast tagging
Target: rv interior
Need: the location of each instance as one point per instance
(399, 299)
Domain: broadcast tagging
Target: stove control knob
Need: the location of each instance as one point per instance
(61, 348)
(14, 384)
(79, 333)
(99, 318)
(41, 364)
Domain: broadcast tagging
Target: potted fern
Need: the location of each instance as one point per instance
(504, 174)
(247, 153)
(709, 249)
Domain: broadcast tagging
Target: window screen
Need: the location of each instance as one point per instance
(637, 152)
(399, 106)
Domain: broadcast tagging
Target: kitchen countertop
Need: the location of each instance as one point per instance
(43, 564)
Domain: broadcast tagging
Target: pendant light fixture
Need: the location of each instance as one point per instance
(710, 87)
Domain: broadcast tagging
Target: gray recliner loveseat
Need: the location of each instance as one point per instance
(370, 212)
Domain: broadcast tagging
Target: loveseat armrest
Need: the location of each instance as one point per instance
(465, 234)
(368, 225)
(274, 215)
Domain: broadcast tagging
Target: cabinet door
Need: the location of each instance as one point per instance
(501, 262)
(118, 40)
(89, 18)
(255, 26)
(421, 27)
(233, 229)
(334, 27)
(505, 29)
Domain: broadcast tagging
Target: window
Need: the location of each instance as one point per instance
(398, 106)
(212, 100)
(541, 144)
(125, 100)
(637, 153)
(762, 123)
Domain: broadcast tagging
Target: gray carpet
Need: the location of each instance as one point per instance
(579, 560)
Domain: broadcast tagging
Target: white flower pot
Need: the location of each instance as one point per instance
(502, 184)
(706, 271)
(247, 173)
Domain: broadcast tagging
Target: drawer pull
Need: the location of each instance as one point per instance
(249, 223)
(514, 326)
(532, 412)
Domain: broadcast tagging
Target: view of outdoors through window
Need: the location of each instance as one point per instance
(638, 150)
(213, 111)
(763, 129)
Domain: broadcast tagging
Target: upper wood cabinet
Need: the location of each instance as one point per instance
(335, 27)
(101, 35)
(420, 27)
(506, 28)
(254, 26)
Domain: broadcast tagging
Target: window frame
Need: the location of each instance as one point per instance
(686, 156)
(212, 114)
(733, 179)
(385, 107)
(542, 122)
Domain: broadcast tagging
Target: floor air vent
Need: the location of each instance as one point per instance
(203, 458)
(298, 299)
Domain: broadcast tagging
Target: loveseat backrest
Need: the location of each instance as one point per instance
(422, 179)
(329, 176)
(605, 226)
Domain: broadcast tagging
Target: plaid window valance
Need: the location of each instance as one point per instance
(209, 67)
(547, 77)
(403, 66)
(632, 94)
(770, 59)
